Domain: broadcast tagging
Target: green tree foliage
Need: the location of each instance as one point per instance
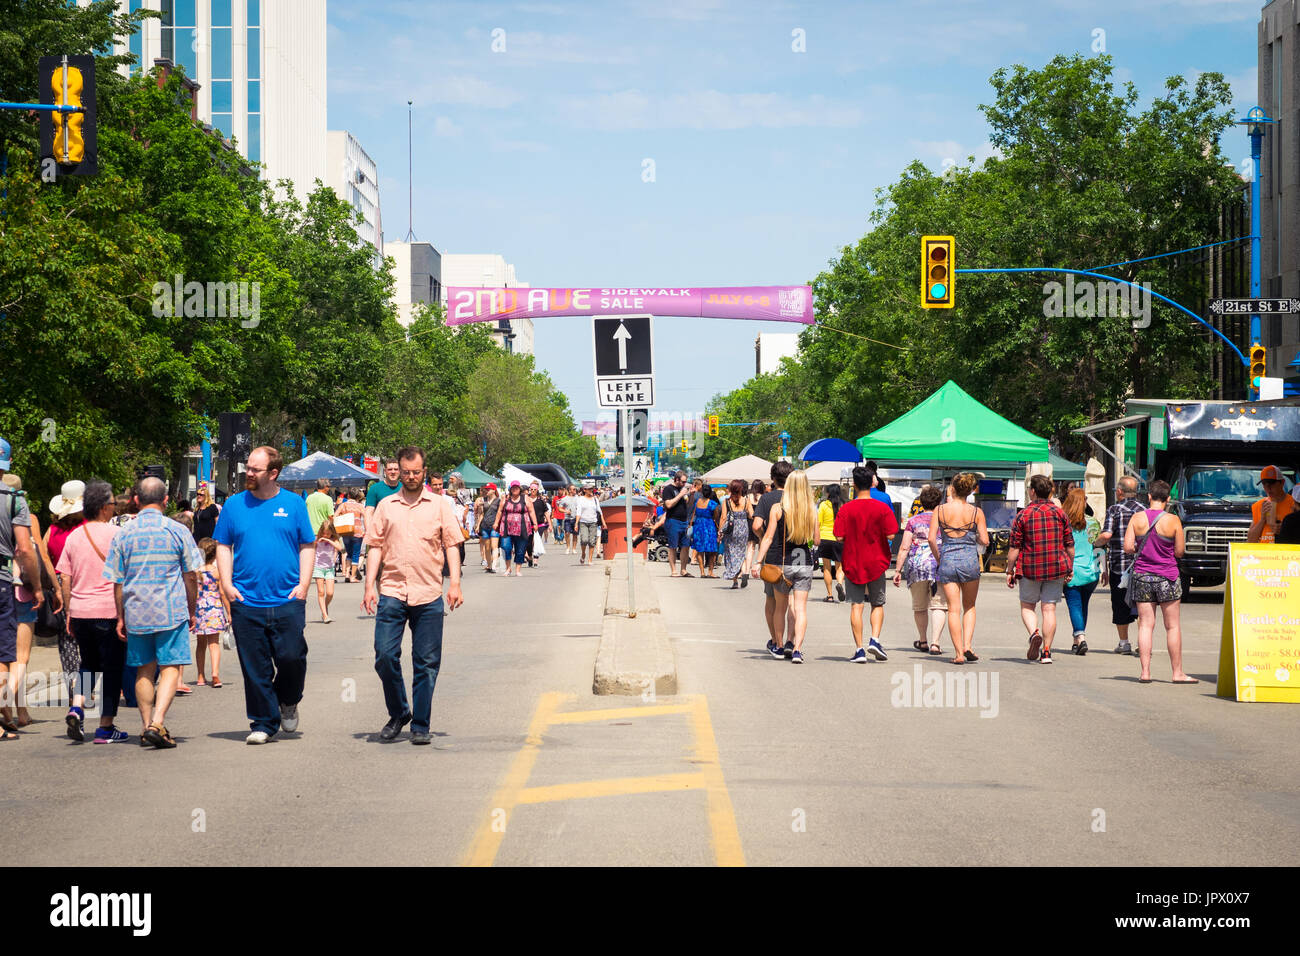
(1084, 180)
(107, 370)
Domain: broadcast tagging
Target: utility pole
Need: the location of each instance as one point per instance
(410, 179)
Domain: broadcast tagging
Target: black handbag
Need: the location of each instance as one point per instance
(48, 623)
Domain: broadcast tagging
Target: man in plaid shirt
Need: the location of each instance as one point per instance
(1042, 559)
(1118, 563)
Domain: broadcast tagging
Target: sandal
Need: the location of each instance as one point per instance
(828, 599)
(971, 656)
(7, 734)
(216, 682)
(8, 725)
(936, 649)
(182, 690)
(157, 735)
(921, 645)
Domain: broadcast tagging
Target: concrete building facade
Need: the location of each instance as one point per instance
(260, 66)
(489, 271)
(417, 277)
(354, 176)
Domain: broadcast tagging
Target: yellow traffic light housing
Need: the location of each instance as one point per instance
(684, 446)
(1258, 365)
(68, 139)
(713, 426)
(69, 147)
(938, 270)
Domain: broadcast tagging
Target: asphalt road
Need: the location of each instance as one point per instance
(755, 761)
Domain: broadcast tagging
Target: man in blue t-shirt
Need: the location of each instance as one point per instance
(265, 553)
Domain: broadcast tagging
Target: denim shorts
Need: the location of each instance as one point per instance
(26, 611)
(678, 536)
(327, 573)
(167, 648)
(570, 527)
(799, 575)
(958, 566)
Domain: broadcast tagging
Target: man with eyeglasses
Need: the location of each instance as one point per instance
(413, 535)
(1269, 512)
(265, 553)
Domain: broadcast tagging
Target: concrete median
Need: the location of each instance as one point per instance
(635, 656)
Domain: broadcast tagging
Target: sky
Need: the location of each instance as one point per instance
(770, 126)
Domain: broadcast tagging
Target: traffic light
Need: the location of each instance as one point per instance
(713, 426)
(1258, 365)
(937, 272)
(69, 139)
(684, 446)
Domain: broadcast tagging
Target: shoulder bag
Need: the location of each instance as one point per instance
(771, 573)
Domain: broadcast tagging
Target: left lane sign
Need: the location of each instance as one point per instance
(624, 352)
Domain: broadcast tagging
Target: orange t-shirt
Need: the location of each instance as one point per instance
(1280, 510)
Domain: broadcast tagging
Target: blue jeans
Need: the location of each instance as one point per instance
(513, 547)
(391, 618)
(1076, 599)
(272, 657)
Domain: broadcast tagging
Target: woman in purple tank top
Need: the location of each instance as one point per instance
(1155, 578)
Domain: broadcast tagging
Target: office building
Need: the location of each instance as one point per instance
(355, 178)
(1279, 83)
(260, 66)
(489, 271)
(771, 347)
(417, 277)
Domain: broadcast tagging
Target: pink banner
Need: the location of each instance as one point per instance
(773, 303)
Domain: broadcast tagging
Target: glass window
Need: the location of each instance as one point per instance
(254, 13)
(220, 96)
(185, 55)
(221, 13)
(184, 13)
(136, 46)
(254, 54)
(168, 12)
(253, 150)
(167, 52)
(254, 96)
(221, 121)
(221, 53)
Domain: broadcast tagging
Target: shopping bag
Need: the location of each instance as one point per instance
(539, 547)
(228, 638)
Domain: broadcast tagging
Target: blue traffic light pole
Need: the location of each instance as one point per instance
(1109, 278)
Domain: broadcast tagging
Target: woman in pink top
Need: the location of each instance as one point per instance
(92, 614)
(1155, 578)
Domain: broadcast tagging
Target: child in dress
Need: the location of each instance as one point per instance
(328, 545)
(213, 614)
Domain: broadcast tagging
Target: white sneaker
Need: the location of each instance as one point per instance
(289, 717)
(257, 737)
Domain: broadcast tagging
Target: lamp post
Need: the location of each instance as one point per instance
(1255, 121)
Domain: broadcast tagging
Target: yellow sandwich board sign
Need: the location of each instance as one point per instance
(1259, 652)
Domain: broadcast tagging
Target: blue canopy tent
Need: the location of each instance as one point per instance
(303, 474)
(830, 449)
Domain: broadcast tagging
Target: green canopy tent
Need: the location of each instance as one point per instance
(952, 430)
(475, 477)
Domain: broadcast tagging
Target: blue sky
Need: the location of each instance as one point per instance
(766, 160)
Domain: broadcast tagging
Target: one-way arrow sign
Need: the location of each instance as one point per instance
(624, 350)
(623, 345)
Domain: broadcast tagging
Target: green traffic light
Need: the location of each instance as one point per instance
(938, 290)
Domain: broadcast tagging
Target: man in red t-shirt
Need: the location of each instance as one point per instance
(866, 526)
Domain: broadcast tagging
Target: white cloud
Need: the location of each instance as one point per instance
(443, 126)
(706, 109)
(519, 146)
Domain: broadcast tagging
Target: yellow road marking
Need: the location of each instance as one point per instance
(619, 713)
(614, 787)
(724, 835)
(722, 817)
(488, 838)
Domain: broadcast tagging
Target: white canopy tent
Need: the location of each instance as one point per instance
(747, 467)
(510, 473)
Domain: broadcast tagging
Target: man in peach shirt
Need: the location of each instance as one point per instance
(411, 534)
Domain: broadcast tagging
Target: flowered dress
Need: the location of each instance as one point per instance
(735, 541)
(211, 613)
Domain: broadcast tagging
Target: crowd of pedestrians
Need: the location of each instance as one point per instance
(137, 596)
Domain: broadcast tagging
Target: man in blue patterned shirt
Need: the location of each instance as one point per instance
(154, 564)
(1120, 564)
